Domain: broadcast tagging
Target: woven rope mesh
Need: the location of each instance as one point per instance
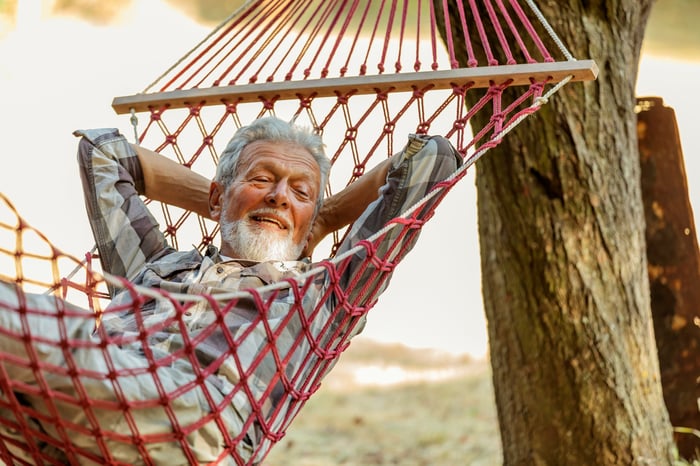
(70, 398)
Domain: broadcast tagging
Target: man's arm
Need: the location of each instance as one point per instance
(424, 162)
(167, 181)
(126, 234)
(346, 206)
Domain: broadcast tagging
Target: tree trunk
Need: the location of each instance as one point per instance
(674, 268)
(564, 268)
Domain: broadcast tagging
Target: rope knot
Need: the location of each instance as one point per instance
(498, 117)
(423, 128)
(305, 102)
(351, 133)
(382, 95)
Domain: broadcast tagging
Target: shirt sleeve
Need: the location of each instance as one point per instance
(126, 233)
(421, 164)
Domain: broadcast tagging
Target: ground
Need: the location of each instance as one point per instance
(442, 414)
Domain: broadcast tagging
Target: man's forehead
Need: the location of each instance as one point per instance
(288, 152)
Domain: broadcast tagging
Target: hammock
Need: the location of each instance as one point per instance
(361, 73)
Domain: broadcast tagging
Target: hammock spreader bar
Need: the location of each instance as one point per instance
(482, 77)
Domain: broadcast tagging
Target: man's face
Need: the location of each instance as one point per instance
(267, 211)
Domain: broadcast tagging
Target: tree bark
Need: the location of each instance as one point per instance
(674, 268)
(564, 271)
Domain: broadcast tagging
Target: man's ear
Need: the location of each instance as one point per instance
(216, 193)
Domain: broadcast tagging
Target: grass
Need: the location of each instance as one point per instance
(420, 423)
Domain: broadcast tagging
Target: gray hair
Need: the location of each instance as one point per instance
(272, 129)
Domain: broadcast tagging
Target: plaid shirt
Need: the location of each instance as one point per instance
(131, 245)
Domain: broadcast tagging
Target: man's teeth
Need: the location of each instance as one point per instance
(266, 219)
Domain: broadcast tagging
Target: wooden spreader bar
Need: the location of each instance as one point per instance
(479, 77)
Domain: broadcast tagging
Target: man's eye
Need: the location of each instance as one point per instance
(302, 191)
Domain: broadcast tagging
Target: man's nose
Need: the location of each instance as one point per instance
(278, 195)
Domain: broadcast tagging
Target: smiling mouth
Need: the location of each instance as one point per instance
(270, 220)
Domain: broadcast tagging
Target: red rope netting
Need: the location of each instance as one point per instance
(71, 399)
(68, 397)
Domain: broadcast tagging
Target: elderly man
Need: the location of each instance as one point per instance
(267, 197)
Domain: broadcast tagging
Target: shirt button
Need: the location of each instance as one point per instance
(219, 270)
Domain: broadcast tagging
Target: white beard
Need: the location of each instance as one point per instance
(259, 244)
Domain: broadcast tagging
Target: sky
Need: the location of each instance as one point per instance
(59, 74)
